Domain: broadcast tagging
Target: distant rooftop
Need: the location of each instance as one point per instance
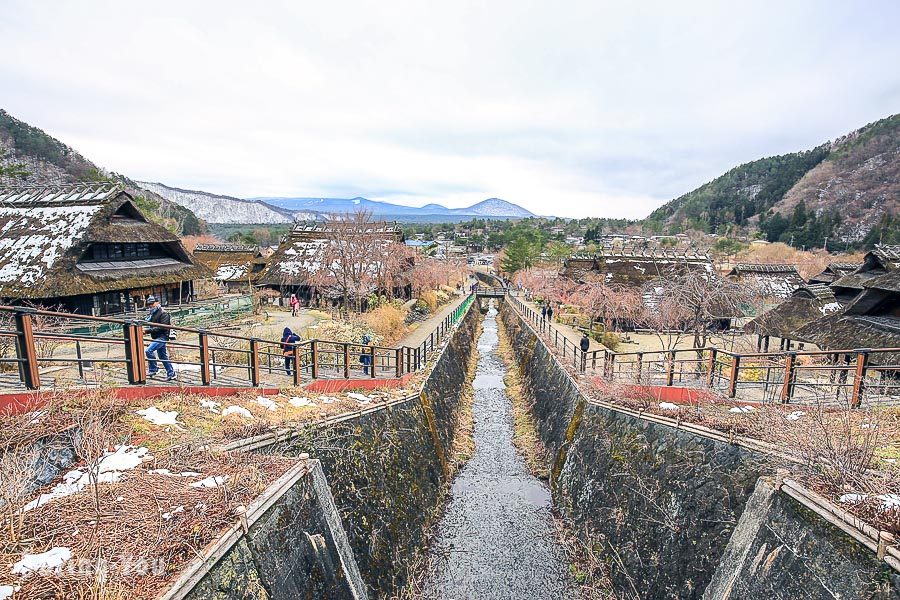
(58, 195)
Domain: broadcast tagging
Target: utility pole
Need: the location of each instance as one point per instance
(825, 247)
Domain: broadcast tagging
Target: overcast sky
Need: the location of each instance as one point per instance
(567, 108)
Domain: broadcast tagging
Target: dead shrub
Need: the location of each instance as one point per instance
(387, 321)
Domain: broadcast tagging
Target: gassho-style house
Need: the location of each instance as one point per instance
(87, 249)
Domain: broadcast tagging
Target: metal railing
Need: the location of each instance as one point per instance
(61, 355)
(833, 376)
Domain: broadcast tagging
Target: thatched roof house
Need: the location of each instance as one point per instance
(879, 261)
(770, 280)
(234, 266)
(806, 304)
(88, 249)
(833, 271)
(633, 266)
(300, 256)
(870, 321)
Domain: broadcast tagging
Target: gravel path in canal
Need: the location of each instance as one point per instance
(495, 540)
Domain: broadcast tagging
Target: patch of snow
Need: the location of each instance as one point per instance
(852, 498)
(889, 501)
(237, 410)
(301, 402)
(169, 473)
(668, 406)
(211, 481)
(159, 417)
(362, 399)
(168, 515)
(868, 426)
(44, 561)
(327, 399)
(212, 405)
(6, 591)
(795, 416)
(741, 409)
(266, 403)
(830, 308)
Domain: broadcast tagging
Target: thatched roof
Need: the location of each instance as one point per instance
(633, 267)
(834, 271)
(230, 262)
(806, 304)
(770, 280)
(842, 332)
(46, 230)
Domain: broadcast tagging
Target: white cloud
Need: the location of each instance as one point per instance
(587, 108)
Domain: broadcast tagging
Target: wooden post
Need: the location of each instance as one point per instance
(314, 358)
(254, 362)
(296, 364)
(205, 378)
(640, 366)
(711, 373)
(862, 363)
(78, 356)
(766, 345)
(610, 365)
(134, 353)
(670, 369)
(346, 360)
(787, 390)
(733, 379)
(30, 373)
(399, 361)
(372, 359)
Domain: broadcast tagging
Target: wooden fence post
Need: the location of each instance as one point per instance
(670, 369)
(346, 360)
(296, 351)
(134, 353)
(733, 379)
(790, 373)
(254, 362)
(640, 366)
(862, 363)
(205, 376)
(314, 358)
(29, 371)
(711, 373)
(372, 359)
(399, 362)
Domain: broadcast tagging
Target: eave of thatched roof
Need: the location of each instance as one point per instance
(632, 269)
(843, 332)
(807, 303)
(230, 262)
(771, 280)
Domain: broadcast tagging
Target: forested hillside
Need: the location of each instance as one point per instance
(846, 191)
(30, 156)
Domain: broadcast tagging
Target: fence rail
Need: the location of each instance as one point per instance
(52, 349)
(846, 377)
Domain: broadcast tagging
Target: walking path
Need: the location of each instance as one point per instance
(496, 539)
(570, 333)
(423, 331)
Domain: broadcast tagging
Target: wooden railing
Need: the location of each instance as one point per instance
(832, 376)
(52, 357)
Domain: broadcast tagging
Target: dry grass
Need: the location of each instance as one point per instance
(388, 322)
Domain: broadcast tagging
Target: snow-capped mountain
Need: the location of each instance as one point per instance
(490, 208)
(214, 208)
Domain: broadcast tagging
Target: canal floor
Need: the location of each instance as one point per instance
(495, 540)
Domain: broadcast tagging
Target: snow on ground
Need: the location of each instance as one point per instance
(6, 591)
(159, 417)
(48, 560)
(668, 406)
(237, 410)
(362, 399)
(795, 416)
(212, 405)
(301, 402)
(741, 409)
(266, 403)
(211, 481)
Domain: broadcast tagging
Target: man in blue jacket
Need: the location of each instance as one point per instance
(159, 335)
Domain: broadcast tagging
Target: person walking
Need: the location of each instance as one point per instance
(543, 312)
(585, 345)
(295, 305)
(288, 339)
(549, 313)
(159, 336)
(365, 357)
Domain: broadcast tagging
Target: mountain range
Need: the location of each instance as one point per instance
(215, 208)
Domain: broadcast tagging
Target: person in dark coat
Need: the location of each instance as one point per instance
(288, 339)
(365, 358)
(585, 345)
(544, 312)
(159, 337)
(550, 313)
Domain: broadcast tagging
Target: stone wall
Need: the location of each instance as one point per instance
(295, 548)
(660, 504)
(386, 468)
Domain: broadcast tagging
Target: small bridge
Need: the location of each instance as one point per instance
(490, 292)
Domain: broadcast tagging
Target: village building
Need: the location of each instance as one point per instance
(235, 267)
(293, 267)
(806, 304)
(833, 272)
(633, 266)
(877, 262)
(88, 249)
(772, 282)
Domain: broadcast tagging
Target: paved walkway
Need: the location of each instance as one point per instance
(423, 331)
